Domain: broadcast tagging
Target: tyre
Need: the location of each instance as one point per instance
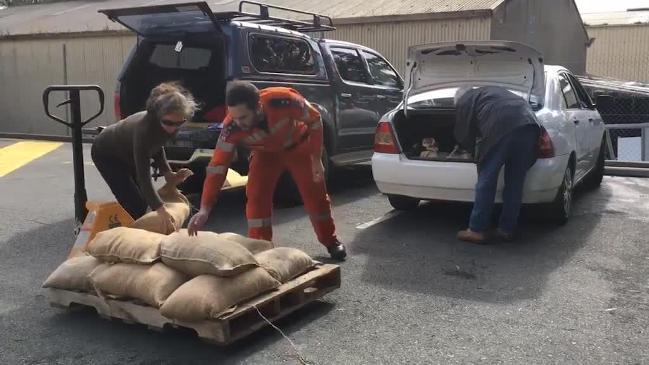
(403, 202)
(559, 209)
(595, 177)
(286, 193)
(328, 166)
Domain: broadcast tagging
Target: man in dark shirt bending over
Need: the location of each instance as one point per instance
(501, 129)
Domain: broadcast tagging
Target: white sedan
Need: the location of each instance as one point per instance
(414, 158)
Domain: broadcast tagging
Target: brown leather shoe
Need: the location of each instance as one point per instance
(470, 236)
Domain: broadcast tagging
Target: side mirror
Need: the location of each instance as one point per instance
(604, 102)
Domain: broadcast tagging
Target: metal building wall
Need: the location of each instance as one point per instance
(620, 51)
(27, 66)
(392, 39)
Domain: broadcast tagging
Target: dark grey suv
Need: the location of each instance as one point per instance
(352, 85)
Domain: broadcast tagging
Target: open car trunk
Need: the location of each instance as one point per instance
(428, 135)
(199, 66)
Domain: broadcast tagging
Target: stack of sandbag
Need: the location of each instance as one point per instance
(284, 263)
(131, 268)
(73, 274)
(224, 272)
(255, 246)
(177, 205)
(188, 278)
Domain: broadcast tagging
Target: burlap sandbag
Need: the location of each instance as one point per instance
(151, 284)
(253, 245)
(208, 296)
(205, 253)
(128, 245)
(73, 274)
(284, 263)
(177, 205)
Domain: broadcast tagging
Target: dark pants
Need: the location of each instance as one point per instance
(121, 180)
(517, 152)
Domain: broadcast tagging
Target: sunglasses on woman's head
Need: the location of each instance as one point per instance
(173, 123)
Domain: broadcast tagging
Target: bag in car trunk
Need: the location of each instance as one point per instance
(428, 135)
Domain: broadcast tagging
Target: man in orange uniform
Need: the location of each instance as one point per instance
(283, 131)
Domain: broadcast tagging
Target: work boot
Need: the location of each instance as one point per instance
(337, 251)
(471, 236)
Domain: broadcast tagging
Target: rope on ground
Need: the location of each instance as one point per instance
(300, 357)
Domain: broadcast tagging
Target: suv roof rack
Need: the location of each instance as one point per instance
(319, 23)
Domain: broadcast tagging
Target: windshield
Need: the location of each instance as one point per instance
(445, 98)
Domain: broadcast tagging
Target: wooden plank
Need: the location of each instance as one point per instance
(298, 283)
(222, 331)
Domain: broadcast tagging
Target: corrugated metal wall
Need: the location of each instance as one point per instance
(620, 51)
(28, 66)
(392, 39)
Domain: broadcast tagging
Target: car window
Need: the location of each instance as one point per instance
(381, 71)
(582, 95)
(350, 65)
(281, 55)
(569, 94)
(189, 58)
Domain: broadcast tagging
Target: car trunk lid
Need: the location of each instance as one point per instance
(512, 65)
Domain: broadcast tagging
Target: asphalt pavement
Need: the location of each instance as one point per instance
(411, 293)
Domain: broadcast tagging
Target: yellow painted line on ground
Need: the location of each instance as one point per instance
(19, 154)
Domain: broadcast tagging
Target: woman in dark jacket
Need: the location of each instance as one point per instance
(123, 151)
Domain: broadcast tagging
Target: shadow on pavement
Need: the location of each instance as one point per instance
(417, 252)
(349, 185)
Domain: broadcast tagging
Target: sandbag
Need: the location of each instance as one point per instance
(209, 297)
(73, 274)
(284, 263)
(128, 245)
(177, 205)
(253, 245)
(151, 284)
(205, 253)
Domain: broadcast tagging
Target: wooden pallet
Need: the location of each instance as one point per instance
(227, 329)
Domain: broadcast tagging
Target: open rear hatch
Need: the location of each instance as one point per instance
(166, 20)
(435, 71)
(512, 65)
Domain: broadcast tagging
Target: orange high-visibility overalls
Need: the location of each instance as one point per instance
(291, 138)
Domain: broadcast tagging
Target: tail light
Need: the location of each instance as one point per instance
(384, 139)
(545, 148)
(116, 103)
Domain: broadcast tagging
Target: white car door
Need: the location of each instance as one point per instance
(575, 114)
(595, 122)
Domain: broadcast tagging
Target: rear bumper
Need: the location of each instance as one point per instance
(455, 181)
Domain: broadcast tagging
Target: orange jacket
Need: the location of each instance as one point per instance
(290, 120)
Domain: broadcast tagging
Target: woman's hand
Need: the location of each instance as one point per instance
(176, 178)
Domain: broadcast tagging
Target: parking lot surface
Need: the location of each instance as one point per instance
(411, 293)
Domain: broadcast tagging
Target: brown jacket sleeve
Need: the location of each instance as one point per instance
(160, 159)
(143, 169)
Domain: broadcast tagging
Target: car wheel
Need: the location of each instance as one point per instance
(403, 202)
(595, 177)
(328, 165)
(562, 205)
